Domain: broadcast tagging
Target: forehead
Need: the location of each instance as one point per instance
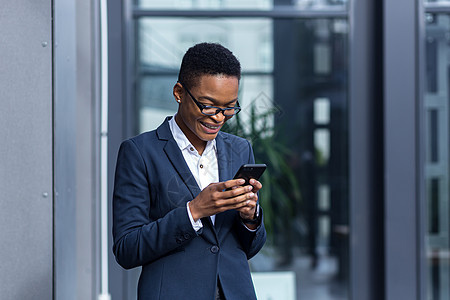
(217, 84)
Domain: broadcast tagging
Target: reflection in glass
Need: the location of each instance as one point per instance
(293, 95)
(436, 107)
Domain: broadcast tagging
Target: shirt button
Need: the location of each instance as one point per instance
(214, 249)
(192, 149)
(201, 166)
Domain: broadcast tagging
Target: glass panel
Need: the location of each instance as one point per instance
(294, 98)
(163, 41)
(436, 108)
(240, 4)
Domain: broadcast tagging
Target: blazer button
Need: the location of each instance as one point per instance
(187, 236)
(214, 249)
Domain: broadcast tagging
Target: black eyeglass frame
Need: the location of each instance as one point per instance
(237, 108)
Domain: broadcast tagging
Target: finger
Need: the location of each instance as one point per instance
(230, 183)
(248, 207)
(256, 184)
(239, 201)
(236, 191)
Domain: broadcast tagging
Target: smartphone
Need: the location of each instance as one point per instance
(249, 171)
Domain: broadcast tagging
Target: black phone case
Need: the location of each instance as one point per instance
(249, 171)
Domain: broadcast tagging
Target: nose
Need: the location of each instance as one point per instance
(218, 118)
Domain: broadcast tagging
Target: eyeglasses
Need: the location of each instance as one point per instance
(214, 110)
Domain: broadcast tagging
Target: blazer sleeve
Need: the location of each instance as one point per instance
(138, 240)
(251, 241)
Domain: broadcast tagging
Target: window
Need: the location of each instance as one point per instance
(294, 86)
(436, 112)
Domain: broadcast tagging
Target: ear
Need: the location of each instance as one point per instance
(178, 92)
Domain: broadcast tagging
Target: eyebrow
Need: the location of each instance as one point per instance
(214, 100)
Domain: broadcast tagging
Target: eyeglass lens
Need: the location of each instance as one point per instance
(214, 110)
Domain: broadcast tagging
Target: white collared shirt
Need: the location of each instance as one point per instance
(203, 167)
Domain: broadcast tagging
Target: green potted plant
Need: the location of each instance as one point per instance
(280, 196)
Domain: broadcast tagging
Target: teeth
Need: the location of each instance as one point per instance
(210, 126)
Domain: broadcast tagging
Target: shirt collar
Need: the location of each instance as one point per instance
(182, 140)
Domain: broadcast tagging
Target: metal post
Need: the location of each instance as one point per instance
(104, 289)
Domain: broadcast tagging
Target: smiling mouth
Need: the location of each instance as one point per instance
(212, 127)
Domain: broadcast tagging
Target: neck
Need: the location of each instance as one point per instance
(198, 144)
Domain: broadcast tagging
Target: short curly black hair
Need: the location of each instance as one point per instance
(207, 59)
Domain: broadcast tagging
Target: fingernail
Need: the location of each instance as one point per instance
(249, 188)
(251, 195)
(241, 181)
(247, 202)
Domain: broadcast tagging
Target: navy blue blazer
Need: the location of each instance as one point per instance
(151, 226)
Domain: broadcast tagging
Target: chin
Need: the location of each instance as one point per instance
(209, 137)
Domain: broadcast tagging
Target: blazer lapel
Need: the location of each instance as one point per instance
(224, 160)
(179, 164)
(176, 158)
(224, 157)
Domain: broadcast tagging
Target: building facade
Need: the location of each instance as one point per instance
(351, 95)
